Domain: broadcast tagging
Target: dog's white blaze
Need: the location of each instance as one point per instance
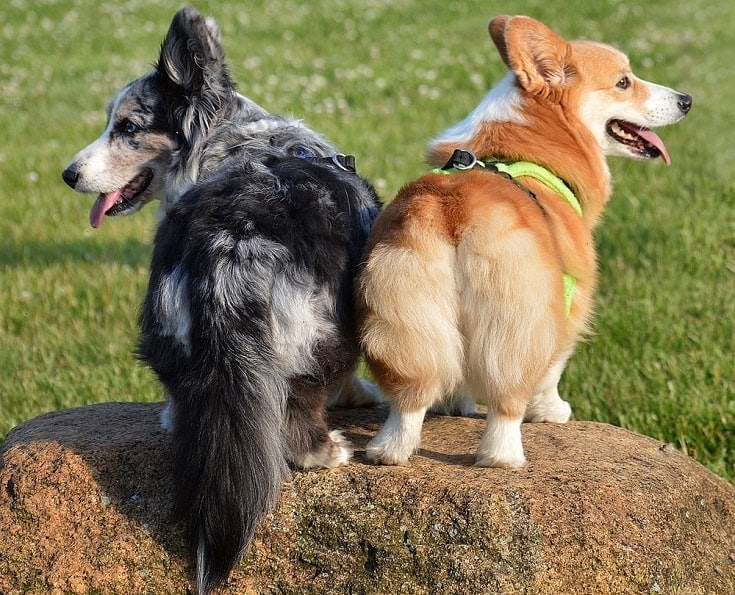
(173, 307)
(501, 104)
(98, 167)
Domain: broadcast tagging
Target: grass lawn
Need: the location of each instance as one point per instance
(379, 78)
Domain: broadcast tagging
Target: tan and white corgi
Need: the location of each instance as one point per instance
(479, 278)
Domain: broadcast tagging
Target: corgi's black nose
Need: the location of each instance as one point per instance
(71, 176)
(685, 102)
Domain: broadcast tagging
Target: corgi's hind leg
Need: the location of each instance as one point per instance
(510, 335)
(546, 405)
(501, 445)
(411, 339)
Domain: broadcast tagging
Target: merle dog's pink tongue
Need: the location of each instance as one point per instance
(103, 204)
(653, 138)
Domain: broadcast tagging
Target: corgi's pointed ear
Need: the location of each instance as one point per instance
(192, 57)
(540, 59)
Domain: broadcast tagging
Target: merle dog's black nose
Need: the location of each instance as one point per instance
(71, 176)
(685, 102)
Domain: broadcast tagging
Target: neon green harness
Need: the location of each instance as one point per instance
(521, 169)
(463, 160)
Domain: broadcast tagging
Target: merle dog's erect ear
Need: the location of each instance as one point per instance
(192, 57)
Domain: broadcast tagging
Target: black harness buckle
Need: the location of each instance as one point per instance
(462, 159)
(345, 162)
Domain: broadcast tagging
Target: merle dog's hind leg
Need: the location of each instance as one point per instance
(310, 443)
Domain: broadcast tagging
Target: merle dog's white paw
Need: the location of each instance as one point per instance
(337, 451)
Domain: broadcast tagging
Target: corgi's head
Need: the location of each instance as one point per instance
(566, 106)
(592, 82)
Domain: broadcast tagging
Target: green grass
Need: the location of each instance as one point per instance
(379, 78)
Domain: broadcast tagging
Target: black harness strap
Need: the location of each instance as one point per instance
(463, 160)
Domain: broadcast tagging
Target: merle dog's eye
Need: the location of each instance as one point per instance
(623, 83)
(129, 127)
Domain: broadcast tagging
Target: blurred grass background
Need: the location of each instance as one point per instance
(379, 78)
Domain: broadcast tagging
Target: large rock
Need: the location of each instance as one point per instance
(85, 500)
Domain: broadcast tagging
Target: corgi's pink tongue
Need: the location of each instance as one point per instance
(103, 204)
(652, 138)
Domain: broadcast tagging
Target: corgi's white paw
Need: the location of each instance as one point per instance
(552, 410)
(501, 444)
(389, 451)
(398, 439)
(502, 460)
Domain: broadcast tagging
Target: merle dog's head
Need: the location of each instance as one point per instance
(155, 122)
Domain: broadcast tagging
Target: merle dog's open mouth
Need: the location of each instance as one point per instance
(642, 141)
(120, 201)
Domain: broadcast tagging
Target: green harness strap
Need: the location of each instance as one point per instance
(520, 169)
(462, 160)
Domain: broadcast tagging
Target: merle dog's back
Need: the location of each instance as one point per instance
(248, 320)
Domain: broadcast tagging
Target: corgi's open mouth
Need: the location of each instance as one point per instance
(121, 201)
(641, 141)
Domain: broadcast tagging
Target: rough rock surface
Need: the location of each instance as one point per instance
(84, 507)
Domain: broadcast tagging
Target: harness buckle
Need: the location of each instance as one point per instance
(344, 162)
(462, 160)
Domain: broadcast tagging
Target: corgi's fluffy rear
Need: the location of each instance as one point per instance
(476, 285)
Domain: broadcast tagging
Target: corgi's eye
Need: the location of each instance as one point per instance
(623, 83)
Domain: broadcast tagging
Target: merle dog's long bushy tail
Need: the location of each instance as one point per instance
(226, 393)
(229, 465)
(229, 457)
